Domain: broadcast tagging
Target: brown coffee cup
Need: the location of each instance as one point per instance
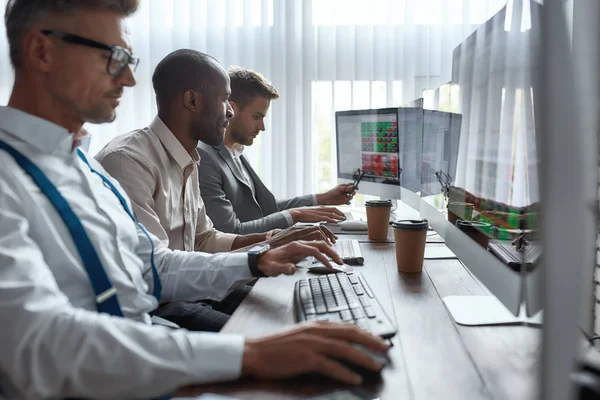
(378, 218)
(478, 231)
(458, 210)
(410, 237)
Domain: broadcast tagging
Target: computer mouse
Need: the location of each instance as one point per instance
(320, 268)
(353, 225)
(382, 358)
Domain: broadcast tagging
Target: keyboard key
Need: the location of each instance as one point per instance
(309, 310)
(362, 324)
(370, 312)
(359, 290)
(353, 279)
(346, 315)
(305, 294)
(357, 313)
(334, 317)
(364, 301)
(352, 301)
(321, 308)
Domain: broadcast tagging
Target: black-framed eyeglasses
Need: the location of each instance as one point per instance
(119, 59)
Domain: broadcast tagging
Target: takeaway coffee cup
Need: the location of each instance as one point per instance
(378, 218)
(410, 237)
(459, 210)
(478, 231)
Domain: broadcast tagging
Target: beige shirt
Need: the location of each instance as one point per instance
(161, 179)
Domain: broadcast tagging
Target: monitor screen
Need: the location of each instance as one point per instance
(368, 140)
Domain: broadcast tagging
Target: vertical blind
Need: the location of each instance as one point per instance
(322, 55)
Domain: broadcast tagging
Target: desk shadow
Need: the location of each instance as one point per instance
(412, 282)
(303, 387)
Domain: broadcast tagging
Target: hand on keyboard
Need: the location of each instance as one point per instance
(296, 232)
(321, 347)
(316, 214)
(283, 259)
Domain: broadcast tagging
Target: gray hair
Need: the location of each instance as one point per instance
(182, 70)
(20, 14)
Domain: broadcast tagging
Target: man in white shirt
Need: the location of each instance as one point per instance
(72, 61)
(236, 199)
(157, 167)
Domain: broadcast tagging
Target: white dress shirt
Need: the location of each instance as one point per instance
(236, 154)
(54, 342)
(161, 179)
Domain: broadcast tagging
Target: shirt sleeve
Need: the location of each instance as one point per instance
(288, 217)
(51, 349)
(193, 275)
(189, 275)
(138, 182)
(209, 239)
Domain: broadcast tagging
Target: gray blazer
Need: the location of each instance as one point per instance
(229, 200)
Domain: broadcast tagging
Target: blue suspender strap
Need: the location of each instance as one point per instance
(106, 295)
(157, 289)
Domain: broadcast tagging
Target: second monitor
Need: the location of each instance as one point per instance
(367, 140)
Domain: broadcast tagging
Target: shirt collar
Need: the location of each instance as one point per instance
(40, 133)
(173, 145)
(236, 150)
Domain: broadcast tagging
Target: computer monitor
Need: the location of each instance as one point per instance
(493, 191)
(367, 140)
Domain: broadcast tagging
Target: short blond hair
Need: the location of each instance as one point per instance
(247, 84)
(20, 14)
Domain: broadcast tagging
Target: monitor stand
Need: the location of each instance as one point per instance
(486, 310)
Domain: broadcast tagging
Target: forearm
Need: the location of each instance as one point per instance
(247, 240)
(194, 275)
(265, 224)
(152, 360)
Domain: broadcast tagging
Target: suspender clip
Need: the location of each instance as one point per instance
(107, 294)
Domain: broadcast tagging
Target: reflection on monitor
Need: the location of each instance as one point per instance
(441, 132)
(487, 176)
(368, 140)
(410, 128)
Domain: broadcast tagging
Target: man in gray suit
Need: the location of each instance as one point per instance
(236, 199)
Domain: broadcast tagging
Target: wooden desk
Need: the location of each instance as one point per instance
(432, 357)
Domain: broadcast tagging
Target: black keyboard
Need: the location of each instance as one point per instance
(341, 298)
(507, 253)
